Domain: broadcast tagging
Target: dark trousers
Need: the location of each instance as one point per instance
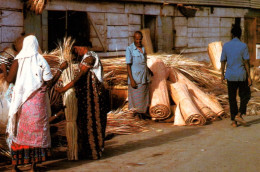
(244, 94)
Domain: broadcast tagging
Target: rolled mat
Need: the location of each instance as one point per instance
(159, 96)
(215, 106)
(180, 95)
(205, 110)
(178, 118)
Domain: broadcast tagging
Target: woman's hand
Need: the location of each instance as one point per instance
(61, 90)
(64, 65)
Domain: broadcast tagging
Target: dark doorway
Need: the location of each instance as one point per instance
(150, 23)
(68, 23)
(56, 28)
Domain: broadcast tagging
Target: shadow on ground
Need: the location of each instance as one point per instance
(113, 149)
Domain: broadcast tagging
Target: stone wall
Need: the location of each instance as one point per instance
(210, 24)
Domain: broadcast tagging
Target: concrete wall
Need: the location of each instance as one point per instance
(195, 33)
(11, 22)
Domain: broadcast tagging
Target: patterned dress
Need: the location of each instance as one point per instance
(92, 116)
(33, 140)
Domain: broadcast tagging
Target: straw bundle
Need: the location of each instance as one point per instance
(180, 94)
(214, 51)
(198, 93)
(52, 60)
(36, 5)
(159, 97)
(147, 42)
(124, 122)
(115, 71)
(70, 101)
(4, 104)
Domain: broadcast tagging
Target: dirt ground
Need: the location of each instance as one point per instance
(212, 148)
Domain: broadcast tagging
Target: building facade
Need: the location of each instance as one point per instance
(176, 26)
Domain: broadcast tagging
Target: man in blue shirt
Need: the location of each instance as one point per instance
(235, 58)
(138, 76)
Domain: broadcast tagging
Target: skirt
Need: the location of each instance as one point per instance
(138, 98)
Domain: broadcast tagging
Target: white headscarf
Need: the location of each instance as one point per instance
(33, 70)
(97, 68)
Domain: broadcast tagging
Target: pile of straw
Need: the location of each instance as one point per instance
(115, 71)
(70, 100)
(36, 5)
(124, 122)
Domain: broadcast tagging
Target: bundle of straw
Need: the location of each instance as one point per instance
(36, 5)
(52, 60)
(123, 122)
(70, 100)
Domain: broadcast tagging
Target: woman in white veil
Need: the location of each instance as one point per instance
(28, 127)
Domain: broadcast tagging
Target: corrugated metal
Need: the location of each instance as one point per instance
(225, 3)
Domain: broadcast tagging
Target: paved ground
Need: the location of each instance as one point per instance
(212, 148)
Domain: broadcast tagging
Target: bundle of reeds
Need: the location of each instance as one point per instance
(36, 5)
(115, 71)
(214, 51)
(70, 100)
(124, 122)
(52, 60)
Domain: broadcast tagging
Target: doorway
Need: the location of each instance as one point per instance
(68, 23)
(150, 23)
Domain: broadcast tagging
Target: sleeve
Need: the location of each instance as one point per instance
(246, 53)
(128, 56)
(47, 75)
(223, 55)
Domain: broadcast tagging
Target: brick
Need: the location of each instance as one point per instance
(226, 22)
(133, 28)
(9, 34)
(152, 9)
(134, 8)
(117, 44)
(181, 31)
(99, 18)
(180, 21)
(198, 22)
(117, 31)
(134, 19)
(181, 42)
(117, 19)
(12, 18)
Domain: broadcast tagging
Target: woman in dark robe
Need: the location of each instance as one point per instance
(92, 108)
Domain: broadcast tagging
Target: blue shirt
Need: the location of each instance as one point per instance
(234, 53)
(138, 63)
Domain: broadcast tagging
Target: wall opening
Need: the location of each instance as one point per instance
(150, 23)
(68, 23)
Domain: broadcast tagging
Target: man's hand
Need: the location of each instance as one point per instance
(222, 78)
(133, 84)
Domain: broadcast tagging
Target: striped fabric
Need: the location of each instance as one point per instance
(138, 98)
(7, 59)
